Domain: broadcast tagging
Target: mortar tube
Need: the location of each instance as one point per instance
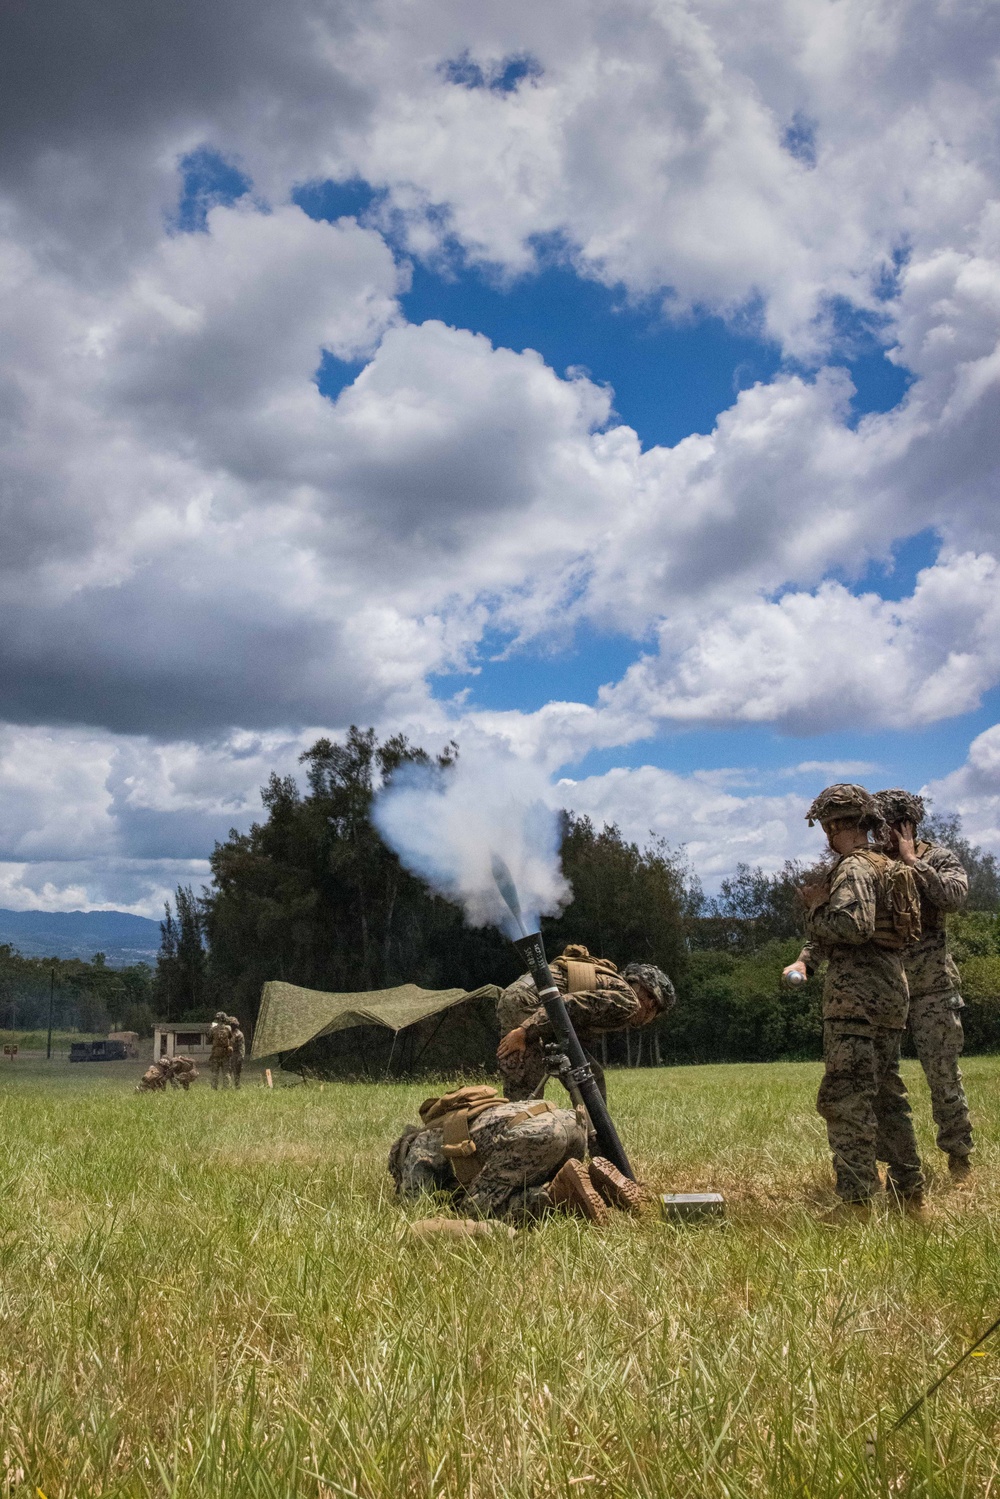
(532, 950)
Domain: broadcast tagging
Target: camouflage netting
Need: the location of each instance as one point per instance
(898, 805)
(844, 800)
(378, 1031)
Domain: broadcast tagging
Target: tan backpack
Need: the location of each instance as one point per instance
(897, 910)
(581, 969)
(454, 1111)
(222, 1043)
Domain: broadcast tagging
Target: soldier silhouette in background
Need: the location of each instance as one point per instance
(239, 1044)
(222, 1049)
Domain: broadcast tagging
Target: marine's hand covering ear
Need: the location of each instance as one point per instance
(655, 981)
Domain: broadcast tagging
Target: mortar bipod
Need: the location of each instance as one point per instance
(557, 1065)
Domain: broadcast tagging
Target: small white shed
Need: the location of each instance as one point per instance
(185, 1039)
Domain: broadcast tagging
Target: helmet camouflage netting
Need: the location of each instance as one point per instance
(655, 980)
(898, 805)
(847, 801)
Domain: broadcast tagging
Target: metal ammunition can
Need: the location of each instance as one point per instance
(685, 1207)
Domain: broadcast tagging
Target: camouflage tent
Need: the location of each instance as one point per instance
(378, 1032)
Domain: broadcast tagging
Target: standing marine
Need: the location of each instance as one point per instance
(222, 1049)
(935, 998)
(238, 1041)
(599, 1000)
(859, 918)
(510, 1160)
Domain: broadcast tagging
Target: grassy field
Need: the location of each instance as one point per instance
(215, 1295)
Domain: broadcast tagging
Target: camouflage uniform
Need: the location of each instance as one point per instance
(154, 1079)
(180, 1071)
(862, 1096)
(239, 1051)
(935, 1000)
(518, 1156)
(222, 1047)
(613, 1005)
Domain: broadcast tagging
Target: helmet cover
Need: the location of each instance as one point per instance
(655, 981)
(898, 805)
(844, 801)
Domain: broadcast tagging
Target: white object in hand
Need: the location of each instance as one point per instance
(795, 976)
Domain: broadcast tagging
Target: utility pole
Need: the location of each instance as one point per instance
(52, 996)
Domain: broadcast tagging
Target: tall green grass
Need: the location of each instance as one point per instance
(215, 1295)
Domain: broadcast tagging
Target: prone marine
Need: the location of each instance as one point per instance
(179, 1072)
(520, 1157)
(501, 1159)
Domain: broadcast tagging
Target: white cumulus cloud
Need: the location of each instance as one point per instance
(198, 545)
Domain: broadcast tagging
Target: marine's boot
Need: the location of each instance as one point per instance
(615, 1187)
(846, 1213)
(914, 1205)
(572, 1190)
(959, 1168)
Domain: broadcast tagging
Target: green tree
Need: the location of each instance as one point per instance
(752, 908)
(312, 895)
(628, 903)
(191, 964)
(166, 980)
(180, 984)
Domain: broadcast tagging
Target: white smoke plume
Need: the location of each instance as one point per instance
(449, 826)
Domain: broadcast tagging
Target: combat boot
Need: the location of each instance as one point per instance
(572, 1190)
(914, 1205)
(846, 1213)
(615, 1187)
(959, 1168)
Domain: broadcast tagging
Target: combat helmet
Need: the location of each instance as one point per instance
(846, 804)
(222, 1017)
(655, 981)
(898, 805)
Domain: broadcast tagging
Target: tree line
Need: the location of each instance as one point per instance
(80, 996)
(312, 895)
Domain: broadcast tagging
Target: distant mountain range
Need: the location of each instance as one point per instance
(122, 938)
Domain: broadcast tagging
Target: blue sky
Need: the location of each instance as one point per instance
(281, 460)
(670, 378)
